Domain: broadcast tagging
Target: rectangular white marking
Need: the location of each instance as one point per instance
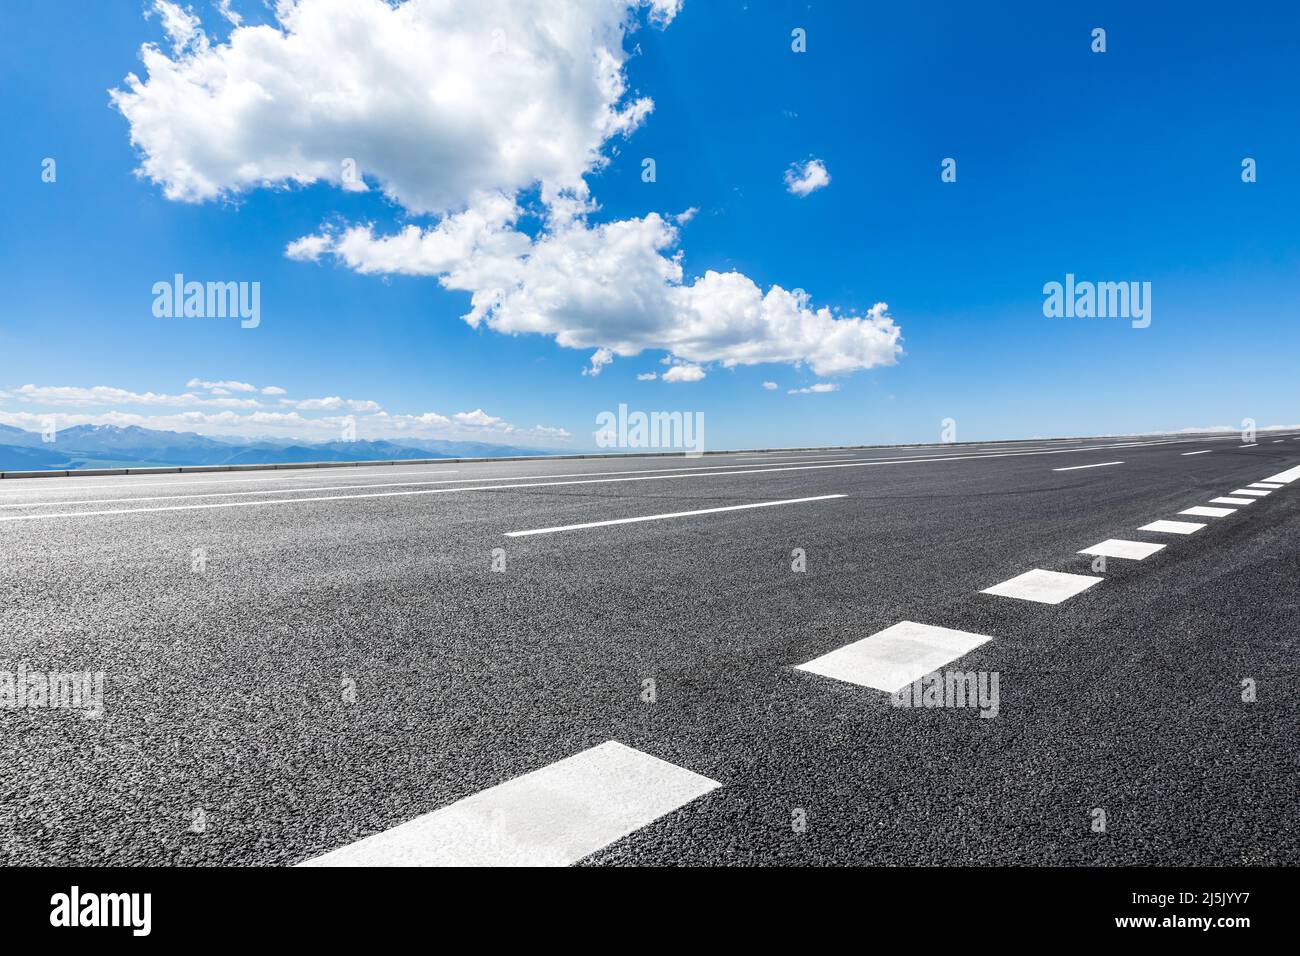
(1173, 527)
(1202, 452)
(1232, 501)
(1118, 548)
(1201, 511)
(891, 659)
(1098, 465)
(1045, 587)
(554, 816)
(662, 517)
(1252, 492)
(1266, 484)
(1250, 445)
(1286, 477)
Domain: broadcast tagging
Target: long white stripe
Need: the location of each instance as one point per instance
(83, 483)
(676, 473)
(1101, 464)
(554, 816)
(661, 517)
(1204, 451)
(1286, 477)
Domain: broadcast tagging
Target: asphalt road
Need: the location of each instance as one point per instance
(298, 660)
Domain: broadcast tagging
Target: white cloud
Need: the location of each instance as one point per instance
(227, 386)
(619, 286)
(223, 7)
(684, 373)
(646, 377)
(435, 101)
(453, 110)
(818, 389)
(599, 359)
(273, 390)
(804, 178)
(181, 26)
(479, 419)
(331, 403)
(80, 397)
(771, 386)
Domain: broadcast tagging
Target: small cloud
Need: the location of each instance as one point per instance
(647, 376)
(599, 359)
(684, 373)
(273, 390)
(686, 216)
(803, 178)
(771, 386)
(817, 389)
(477, 419)
(309, 248)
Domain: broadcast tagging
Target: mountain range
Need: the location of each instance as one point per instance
(111, 446)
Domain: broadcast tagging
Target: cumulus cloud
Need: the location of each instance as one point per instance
(228, 386)
(454, 111)
(433, 101)
(684, 373)
(647, 377)
(599, 359)
(771, 386)
(804, 178)
(817, 389)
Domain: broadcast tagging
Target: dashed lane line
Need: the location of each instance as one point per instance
(662, 517)
(1102, 464)
(1045, 587)
(1119, 548)
(1173, 527)
(1225, 500)
(891, 659)
(553, 816)
(1201, 511)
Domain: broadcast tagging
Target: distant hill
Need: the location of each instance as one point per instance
(109, 446)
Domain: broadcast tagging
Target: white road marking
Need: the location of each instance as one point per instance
(622, 476)
(1232, 501)
(1251, 492)
(661, 517)
(1173, 527)
(1098, 465)
(1266, 484)
(1278, 441)
(82, 484)
(1118, 548)
(554, 816)
(1045, 587)
(1250, 444)
(891, 659)
(1205, 451)
(1286, 477)
(1201, 511)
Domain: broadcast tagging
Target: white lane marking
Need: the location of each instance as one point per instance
(82, 484)
(1286, 477)
(553, 816)
(1232, 501)
(623, 476)
(1119, 548)
(1102, 464)
(1173, 527)
(1250, 444)
(1278, 441)
(1045, 587)
(891, 659)
(1266, 484)
(1253, 493)
(1201, 511)
(1205, 451)
(661, 517)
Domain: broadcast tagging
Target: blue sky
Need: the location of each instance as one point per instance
(1115, 166)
